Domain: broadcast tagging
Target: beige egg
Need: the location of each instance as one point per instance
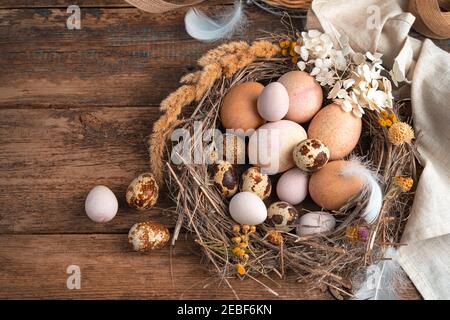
(330, 189)
(282, 215)
(143, 191)
(148, 235)
(338, 130)
(239, 107)
(315, 223)
(253, 180)
(233, 148)
(271, 146)
(305, 95)
(311, 155)
(225, 178)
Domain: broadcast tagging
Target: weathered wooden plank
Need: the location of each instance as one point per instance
(34, 266)
(121, 56)
(82, 3)
(50, 158)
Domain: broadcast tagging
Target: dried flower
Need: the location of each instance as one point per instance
(245, 228)
(236, 250)
(243, 245)
(404, 183)
(236, 240)
(288, 50)
(399, 133)
(387, 119)
(274, 237)
(240, 269)
(236, 228)
(252, 229)
(357, 233)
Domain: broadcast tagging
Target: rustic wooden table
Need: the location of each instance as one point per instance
(76, 107)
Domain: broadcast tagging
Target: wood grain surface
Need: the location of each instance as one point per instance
(76, 107)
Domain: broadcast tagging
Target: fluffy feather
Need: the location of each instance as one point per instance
(203, 28)
(383, 280)
(371, 189)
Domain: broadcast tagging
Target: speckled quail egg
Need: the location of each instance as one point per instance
(225, 178)
(148, 235)
(253, 180)
(233, 148)
(311, 155)
(282, 215)
(142, 193)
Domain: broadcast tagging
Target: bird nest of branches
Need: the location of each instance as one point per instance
(329, 258)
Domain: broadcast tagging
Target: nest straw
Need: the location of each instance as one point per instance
(329, 258)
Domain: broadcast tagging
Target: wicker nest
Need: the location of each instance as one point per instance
(330, 258)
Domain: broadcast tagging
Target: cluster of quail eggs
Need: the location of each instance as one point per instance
(101, 205)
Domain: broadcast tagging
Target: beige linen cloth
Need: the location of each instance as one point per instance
(426, 258)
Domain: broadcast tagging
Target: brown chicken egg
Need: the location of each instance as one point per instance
(148, 235)
(337, 129)
(239, 108)
(330, 189)
(142, 193)
(225, 178)
(253, 180)
(311, 155)
(282, 215)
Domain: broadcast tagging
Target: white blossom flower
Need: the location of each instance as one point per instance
(355, 79)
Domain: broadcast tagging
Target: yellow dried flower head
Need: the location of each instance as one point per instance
(274, 237)
(240, 269)
(387, 119)
(245, 228)
(404, 183)
(252, 229)
(236, 228)
(236, 240)
(400, 132)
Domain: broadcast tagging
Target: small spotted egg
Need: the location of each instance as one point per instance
(148, 235)
(311, 155)
(233, 149)
(282, 215)
(225, 178)
(253, 180)
(142, 193)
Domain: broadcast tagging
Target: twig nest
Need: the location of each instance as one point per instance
(311, 155)
(282, 215)
(225, 178)
(101, 204)
(399, 133)
(143, 191)
(330, 189)
(247, 208)
(253, 180)
(148, 235)
(314, 223)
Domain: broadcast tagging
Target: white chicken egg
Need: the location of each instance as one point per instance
(248, 208)
(101, 204)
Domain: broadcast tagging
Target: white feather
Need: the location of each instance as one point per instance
(203, 28)
(371, 189)
(383, 280)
